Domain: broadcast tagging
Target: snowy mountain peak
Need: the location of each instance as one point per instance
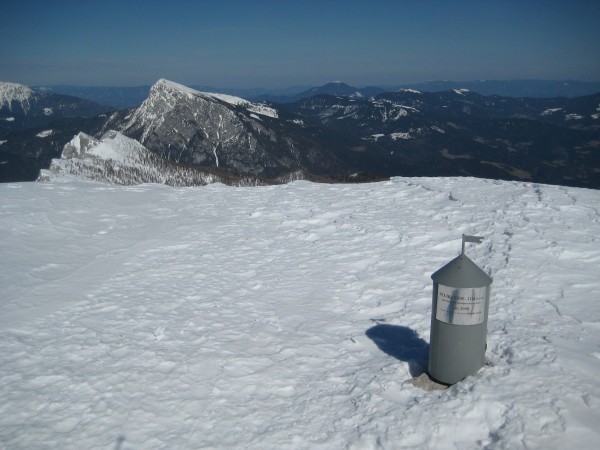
(177, 111)
(13, 92)
(164, 85)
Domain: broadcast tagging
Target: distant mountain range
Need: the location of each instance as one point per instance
(128, 97)
(346, 136)
(22, 107)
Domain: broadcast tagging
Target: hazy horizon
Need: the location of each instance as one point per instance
(297, 87)
(279, 44)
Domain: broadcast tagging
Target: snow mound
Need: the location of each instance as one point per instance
(292, 316)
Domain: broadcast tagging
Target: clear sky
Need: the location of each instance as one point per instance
(273, 44)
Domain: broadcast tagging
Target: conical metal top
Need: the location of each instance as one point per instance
(461, 271)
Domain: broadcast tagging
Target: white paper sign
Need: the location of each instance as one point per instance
(461, 306)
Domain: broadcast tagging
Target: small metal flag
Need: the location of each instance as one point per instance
(467, 238)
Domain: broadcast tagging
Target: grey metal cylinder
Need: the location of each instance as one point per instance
(460, 305)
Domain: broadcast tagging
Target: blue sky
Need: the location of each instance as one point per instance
(273, 44)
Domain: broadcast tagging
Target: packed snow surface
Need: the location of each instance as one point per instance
(292, 316)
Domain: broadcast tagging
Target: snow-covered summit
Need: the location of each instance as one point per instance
(172, 87)
(13, 92)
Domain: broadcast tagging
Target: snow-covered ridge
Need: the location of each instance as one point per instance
(118, 159)
(111, 159)
(171, 86)
(13, 92)
(176, 88)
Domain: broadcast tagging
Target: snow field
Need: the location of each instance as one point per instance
(292, 316)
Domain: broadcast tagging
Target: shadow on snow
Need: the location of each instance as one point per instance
(402, 343)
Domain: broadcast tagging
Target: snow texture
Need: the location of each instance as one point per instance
(292, 316)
